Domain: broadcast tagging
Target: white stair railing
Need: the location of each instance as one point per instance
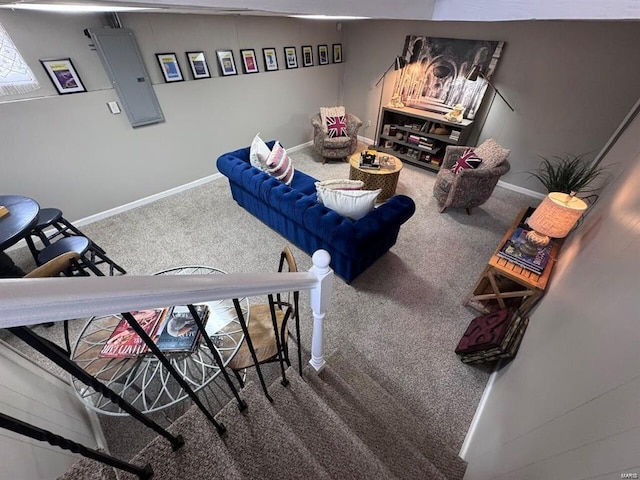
(25, 302)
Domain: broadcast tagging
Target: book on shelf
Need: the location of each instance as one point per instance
(124, 342)
(512, 251)
(179, 332)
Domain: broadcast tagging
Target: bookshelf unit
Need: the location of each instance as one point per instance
(404, 132)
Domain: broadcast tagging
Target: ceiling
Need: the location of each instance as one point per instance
(438, 10)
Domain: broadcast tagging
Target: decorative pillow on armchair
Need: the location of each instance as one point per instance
(337, 126)
(330, 112)
(279, 164)
(491, 153)
(258, 153)
(467, 160)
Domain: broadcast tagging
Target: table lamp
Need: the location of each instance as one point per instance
(554, 217)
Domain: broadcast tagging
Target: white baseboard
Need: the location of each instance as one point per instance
(128, 206)
(524, 191)
(476, 417)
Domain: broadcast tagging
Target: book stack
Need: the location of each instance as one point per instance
(454, 135)
(172, 329)
(414, 139)
(512, 251)
(493, 336)
(427, 142)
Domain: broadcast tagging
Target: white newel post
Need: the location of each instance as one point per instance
(320, 299)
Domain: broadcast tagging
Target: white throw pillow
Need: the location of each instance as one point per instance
(279, 164)
(353, 204)
(259, 153)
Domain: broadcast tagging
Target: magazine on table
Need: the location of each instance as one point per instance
(512, 251)
(124, 342)
(179, 332)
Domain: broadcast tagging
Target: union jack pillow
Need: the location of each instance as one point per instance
(468, 160)
(337, 126)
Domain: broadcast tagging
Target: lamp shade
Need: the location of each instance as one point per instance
(557, 214)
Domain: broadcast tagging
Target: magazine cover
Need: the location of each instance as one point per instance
(124, 342)
(512, 252)
(179, 333)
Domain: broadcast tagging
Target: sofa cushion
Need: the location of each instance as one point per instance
(336, 142)
(491, 153)
(279, 164)
(258, 153)
(353, 204)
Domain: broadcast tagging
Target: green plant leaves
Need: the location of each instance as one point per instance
(566, 174)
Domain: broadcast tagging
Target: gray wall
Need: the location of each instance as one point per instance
(571, 83)
(567, 405)
(69, 151)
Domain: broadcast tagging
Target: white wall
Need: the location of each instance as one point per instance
(567, 406)
(571, 83)
(70, 152)
(32, 395)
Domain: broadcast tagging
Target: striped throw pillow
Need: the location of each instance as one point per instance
(279, 164)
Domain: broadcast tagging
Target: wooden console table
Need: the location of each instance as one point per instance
(504, 284)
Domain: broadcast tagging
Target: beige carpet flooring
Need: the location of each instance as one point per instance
(403, 316)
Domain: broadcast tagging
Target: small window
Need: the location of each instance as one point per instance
(15, 75)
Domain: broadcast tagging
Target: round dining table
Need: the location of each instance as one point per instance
(21, 215)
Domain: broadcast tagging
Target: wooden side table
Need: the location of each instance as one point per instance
(504, 284)
(385, 178)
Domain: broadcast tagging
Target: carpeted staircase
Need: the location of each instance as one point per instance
(339, 424)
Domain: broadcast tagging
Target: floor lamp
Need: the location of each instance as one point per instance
(398, 64)
(472, 76)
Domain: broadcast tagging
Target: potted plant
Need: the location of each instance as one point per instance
(568, 173)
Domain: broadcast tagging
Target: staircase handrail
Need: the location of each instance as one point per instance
(26, 302)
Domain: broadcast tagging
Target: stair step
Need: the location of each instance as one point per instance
(87, 469)
(341, 453)
(203, 455)
(262, 445)
(399, 419)
(400, 456)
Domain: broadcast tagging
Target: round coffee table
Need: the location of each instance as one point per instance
(385, 178)
(143, 381)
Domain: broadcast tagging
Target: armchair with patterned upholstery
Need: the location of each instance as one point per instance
(336, 147)
(470, 187)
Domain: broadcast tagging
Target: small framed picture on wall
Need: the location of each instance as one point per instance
(63, 75)
(291, 57)
(226, 62)
(270, 59)
(337, 53)
(170, 67)
(323, 54)
(249, 61)
(307, 56)
(198, 64)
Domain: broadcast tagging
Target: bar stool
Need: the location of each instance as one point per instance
(52, 218)
(80, 245)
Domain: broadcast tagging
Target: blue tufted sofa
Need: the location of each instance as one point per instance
(294, 212)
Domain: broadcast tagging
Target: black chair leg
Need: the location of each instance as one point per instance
(239, 378)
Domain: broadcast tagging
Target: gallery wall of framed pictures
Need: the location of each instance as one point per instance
(65, 78)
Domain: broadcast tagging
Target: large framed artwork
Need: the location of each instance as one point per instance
(434, 78)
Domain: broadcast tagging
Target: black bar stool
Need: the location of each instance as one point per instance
(75, 243)
(52, 218)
